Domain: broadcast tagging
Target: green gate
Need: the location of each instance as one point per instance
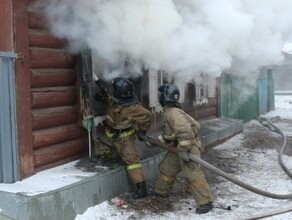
(239, 97)
(246, 99)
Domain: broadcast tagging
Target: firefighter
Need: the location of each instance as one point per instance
(181, 130)
(124, 115)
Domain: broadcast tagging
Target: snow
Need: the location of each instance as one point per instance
(58, 177)
(258, 167)
(283, 107)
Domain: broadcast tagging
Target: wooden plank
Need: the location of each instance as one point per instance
(52, 117)
(56, 135)
(22, 79)
(50, 58)
(54, 153)
(38, 38)
(208, 112)
(52, 77)
(32, 2)
(61, 162)
(79, 98)
(37, 21)
(6, 26)
(53, 96)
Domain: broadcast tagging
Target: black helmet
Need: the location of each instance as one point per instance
(168, 93)
(123, 89)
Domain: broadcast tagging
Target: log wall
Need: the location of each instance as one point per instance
(23, 93)
(6, 26)
(55, 132)
(204, 111)
(48, 109)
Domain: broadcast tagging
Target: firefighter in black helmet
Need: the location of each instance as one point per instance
(123, 91)
(124, 114)
(181, 129)
(169, 93)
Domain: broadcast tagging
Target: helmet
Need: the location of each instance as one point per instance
(168, 93)
(123, 89)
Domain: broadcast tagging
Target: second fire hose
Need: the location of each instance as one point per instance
(220, 172)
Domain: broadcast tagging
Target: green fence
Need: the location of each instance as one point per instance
(271, 90)
(245, 98)
(262, 84)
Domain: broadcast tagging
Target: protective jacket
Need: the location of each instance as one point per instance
(121, 122)
(120, 117)
(179, 127)
(182, 130)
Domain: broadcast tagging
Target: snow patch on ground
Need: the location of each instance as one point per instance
(256, 166)
(48, 180)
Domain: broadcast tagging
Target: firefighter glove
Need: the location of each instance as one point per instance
(161, 139)
(183, 155)
(148, 144)
(141, 133)
(171, 148)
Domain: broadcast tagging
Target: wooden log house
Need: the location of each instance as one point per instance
(49, 131)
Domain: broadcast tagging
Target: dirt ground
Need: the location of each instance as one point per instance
(255, 137)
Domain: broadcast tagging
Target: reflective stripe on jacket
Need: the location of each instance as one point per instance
(119, 133)
(134, 166)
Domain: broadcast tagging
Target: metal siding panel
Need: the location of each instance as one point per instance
(263, 94)
(234, 102)
(13, 117)
(8, 168)
(271, 90)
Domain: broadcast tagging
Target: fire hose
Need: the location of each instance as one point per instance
(227, 176)
(267, 123)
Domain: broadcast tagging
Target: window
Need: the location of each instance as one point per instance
(205, 88)
(155, 80)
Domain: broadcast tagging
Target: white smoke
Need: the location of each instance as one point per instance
(182, 37)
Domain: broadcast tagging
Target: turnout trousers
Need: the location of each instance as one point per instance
(126, 149)
(171, 165)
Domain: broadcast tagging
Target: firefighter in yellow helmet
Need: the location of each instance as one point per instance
(182, 130)
(124, 115)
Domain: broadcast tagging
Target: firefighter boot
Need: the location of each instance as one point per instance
(141, 191)
(204, 208)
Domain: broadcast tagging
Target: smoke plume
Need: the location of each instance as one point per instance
(182, 37)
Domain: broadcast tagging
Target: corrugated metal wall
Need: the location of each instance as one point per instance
(239, 98)
(245, 100)
(271, 90)
(263, 92)
(266, 90)
(8, 163)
